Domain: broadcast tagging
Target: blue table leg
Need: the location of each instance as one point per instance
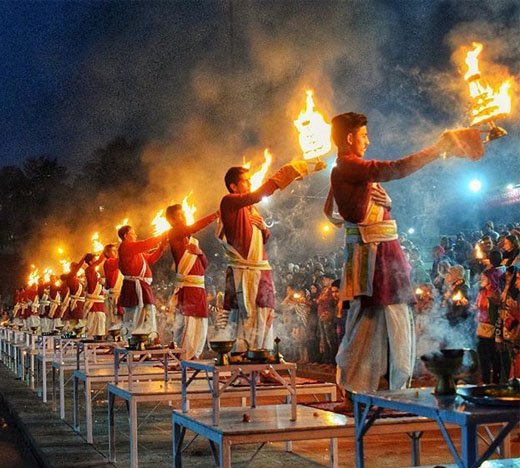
(358, 418)
(469, 446)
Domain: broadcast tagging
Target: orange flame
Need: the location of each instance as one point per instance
(418, 292)
(96, 243)
(160, 223)
(314, 132)
(478, 251)
(489, 104)
(258, 177)
(189, 210)
(457, 297)
(60, 250)
(47, 274)
(65, 265)
(125, 222)
(33, 277)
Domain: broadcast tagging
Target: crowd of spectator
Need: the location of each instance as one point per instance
(467, 294)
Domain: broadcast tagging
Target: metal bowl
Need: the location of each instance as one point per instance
(492, 395)
(221, 346)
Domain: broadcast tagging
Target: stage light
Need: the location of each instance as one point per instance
(475, 185)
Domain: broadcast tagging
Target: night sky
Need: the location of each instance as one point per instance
(210, 81)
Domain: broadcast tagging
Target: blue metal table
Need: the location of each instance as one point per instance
(443, 410)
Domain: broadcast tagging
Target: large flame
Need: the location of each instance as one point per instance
(457, 297)
(479, 254)
(189, 210)
(125, 222)
(314, 131)
(47, 274)
(489, 104)
(97, 246)
(161, 225)
(65, 265)
(258, 177)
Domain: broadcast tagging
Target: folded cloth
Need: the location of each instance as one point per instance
(465, 142)
(289, 172)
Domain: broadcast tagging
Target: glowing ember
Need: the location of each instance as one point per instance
(258, 177)
(296, 295)
(65, 265)
(125, 222)
(479, 254)
(96, 243)
(457, 297)
(189, 210)
(489, 104)
(419, 291)
(314, 132)
(160, 224)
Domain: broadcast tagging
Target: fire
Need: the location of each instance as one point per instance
(60, 251)
(189, 210)
(96, 243)
(419, 292)
(314, 132)
(33, 277)
(160, 223)
(296, 295)
(457, 297)
(258, 177)
(478, 251)
(489, 104)
(125, 222)
(65, 265)
(47, 274)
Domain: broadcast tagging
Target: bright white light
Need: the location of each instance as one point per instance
(411, 231)
(265, 200)
(475, 185)
(510, 186)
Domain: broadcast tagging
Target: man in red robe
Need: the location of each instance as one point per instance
(135, 259)
(77, 295)
(31, 312)
(376, 273)
(113, 283)
(249, 284)
(94, 306)
(189, 265)
(43, 301)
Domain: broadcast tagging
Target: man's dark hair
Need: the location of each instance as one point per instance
(336, 283)
(88, 258)
(123, 231)
(343, 124)
(108, 247)
(172, 210)
(495, 257)
(233, 175)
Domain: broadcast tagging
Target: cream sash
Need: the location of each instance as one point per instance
(54, 304)
(137, 281)
(247, 271)
(43, 301)
(16, 308)
(77, 297)
(94, 298)
(35, 305)
(182, 274)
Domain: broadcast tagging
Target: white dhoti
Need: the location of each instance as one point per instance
(114, 320)
(140, 319)
(370, 334)
(193, 338)
(33, 321)
(96, 319)
(250, 321)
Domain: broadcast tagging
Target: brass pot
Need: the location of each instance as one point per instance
(222, 348)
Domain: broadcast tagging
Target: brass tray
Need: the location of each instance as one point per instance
(492, 395)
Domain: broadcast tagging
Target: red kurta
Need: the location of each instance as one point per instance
(235, 215)
(132, 256)
(111, 269)
(74, 284)
(64, 289)
(31, 293)
(351, 182)
(192, 301)
(92, 277)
